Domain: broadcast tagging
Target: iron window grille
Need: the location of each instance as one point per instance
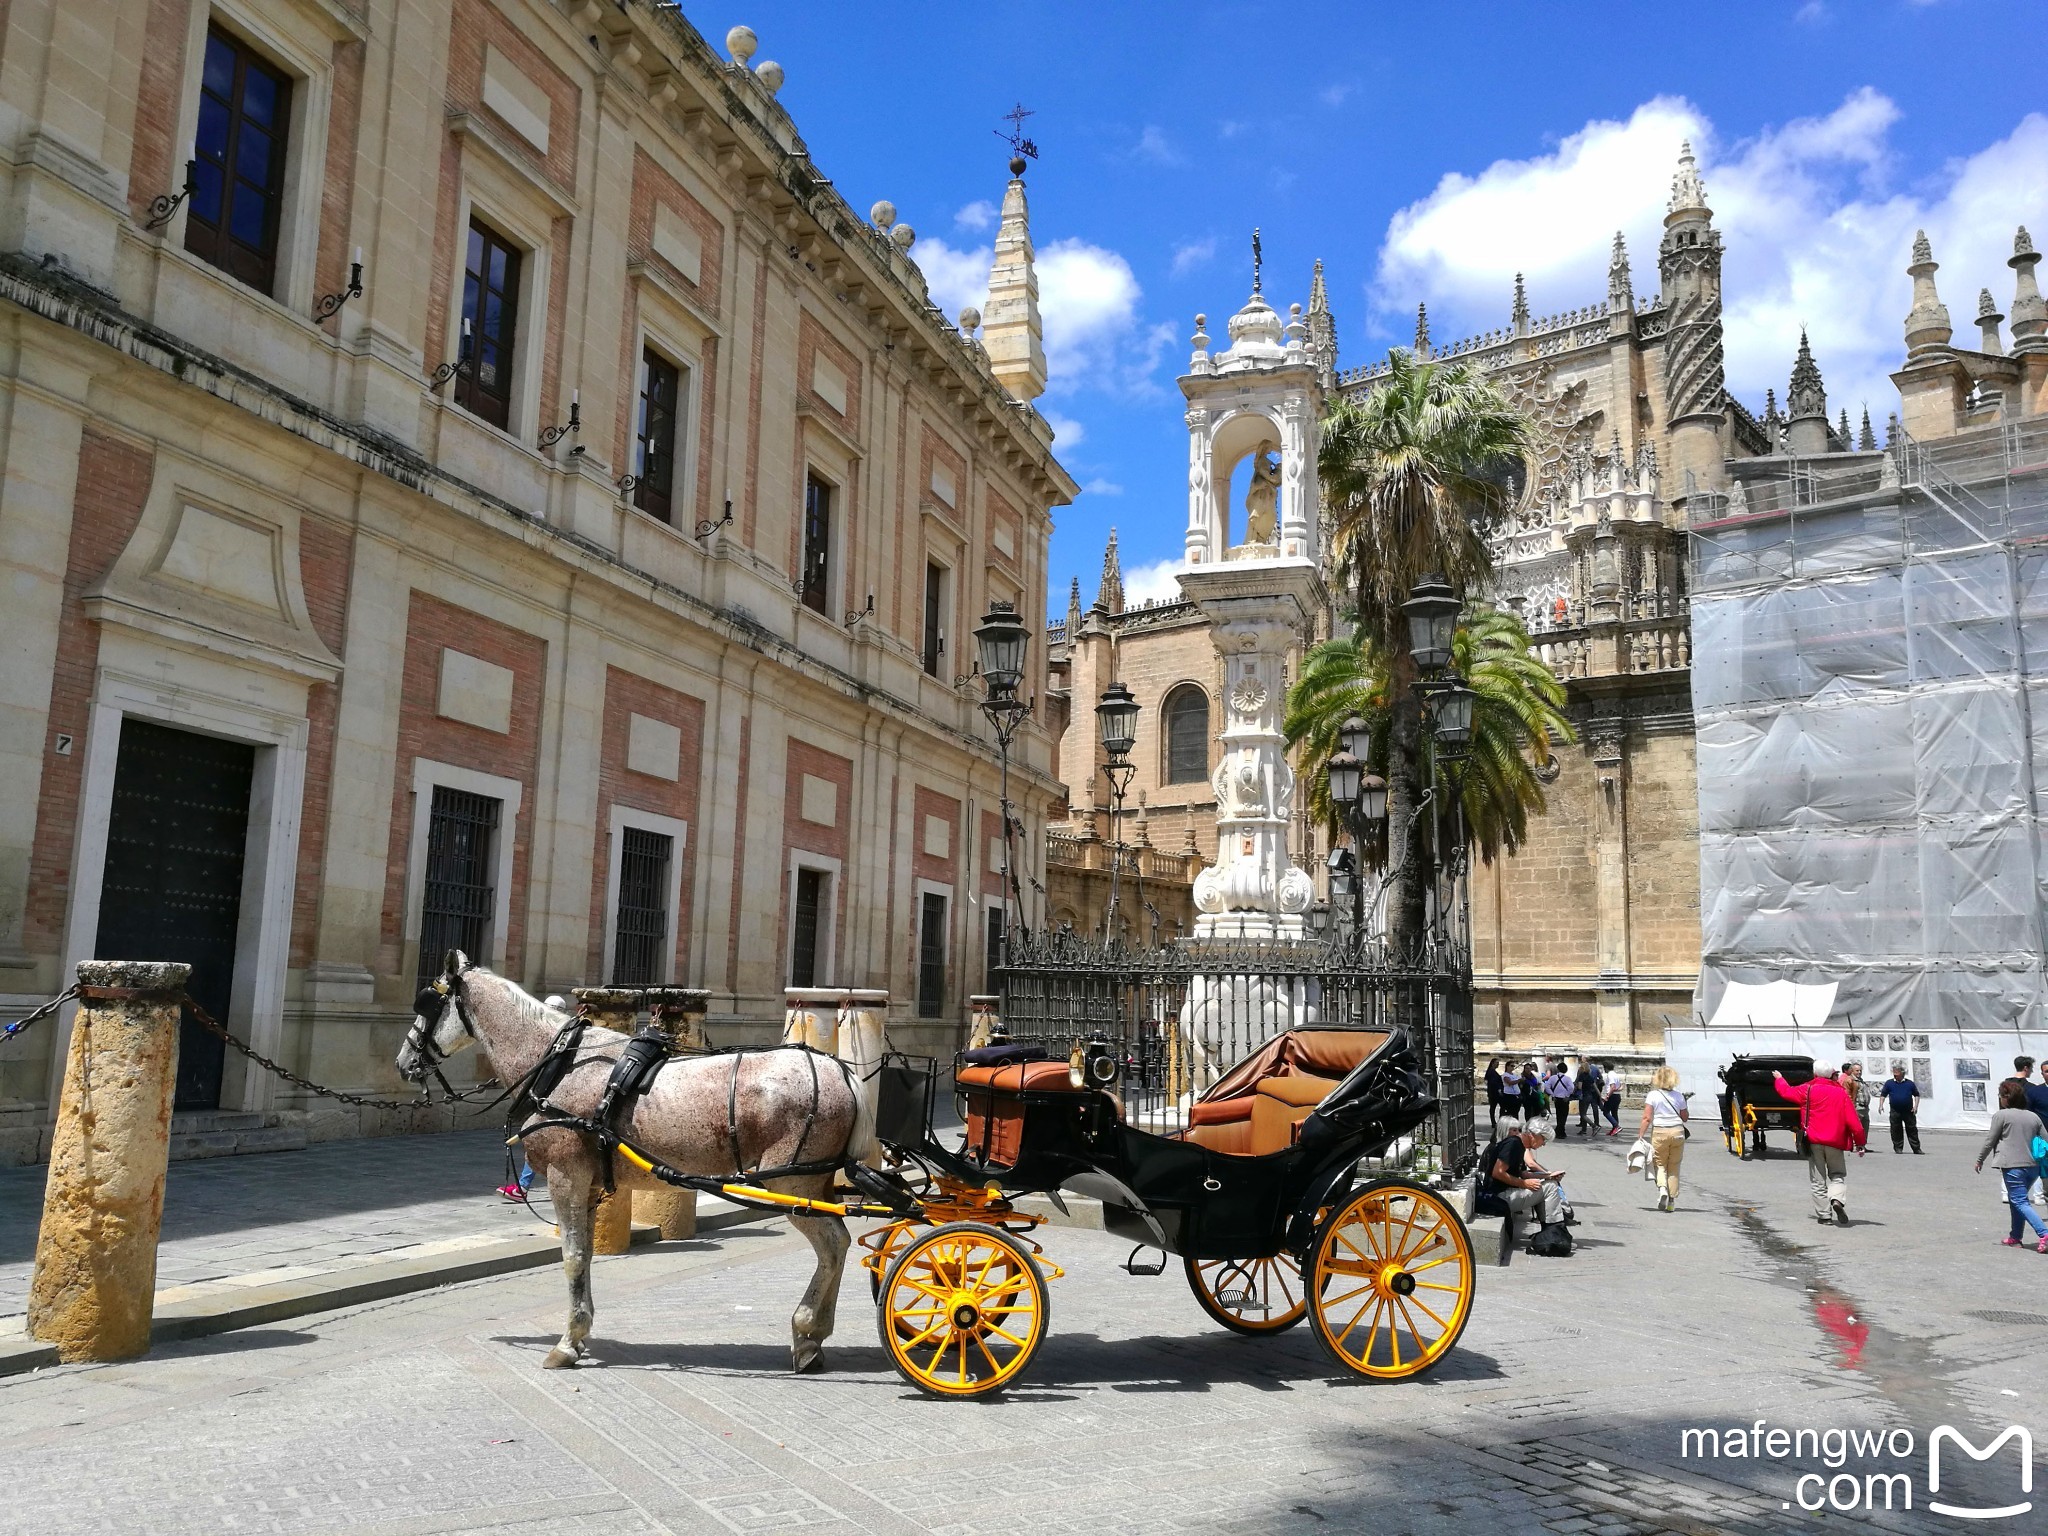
(654, 444)
(641, 929)
(817, 543)
(931, 957)
(461, 885)
(490, 306)
(232, 219)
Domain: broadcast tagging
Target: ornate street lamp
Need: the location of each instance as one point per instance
(1345, 772)
(1372, 801)
(1432, 610)
(1001, 640)
(1116, 723)
(1450, 711)
(1356, 736)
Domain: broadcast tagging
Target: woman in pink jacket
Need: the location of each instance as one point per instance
(1828, 1120)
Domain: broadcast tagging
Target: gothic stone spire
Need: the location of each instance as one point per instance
(1927, 327)
(1422, 330)
(1620, 292)
(1521, 311)
(1687, 192)
(1806, 397)
(1866, 440)
(1322, 330)
(1109, 596)
(2029, 310)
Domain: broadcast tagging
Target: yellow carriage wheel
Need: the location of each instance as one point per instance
(1391, 1280)
(1250, 1295)
(963, 1310)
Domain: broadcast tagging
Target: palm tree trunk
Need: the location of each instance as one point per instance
(1405, 896)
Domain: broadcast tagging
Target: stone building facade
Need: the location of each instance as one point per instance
(499, 492)
(1590, 933)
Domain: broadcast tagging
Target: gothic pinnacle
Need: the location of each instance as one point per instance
(1806, 396)
(1620, 292)
(1866, 440)
(2029, 309)
(1687, 192)
(1109, 596)
(1927, 327)
(1422, 330)
(1521, 310)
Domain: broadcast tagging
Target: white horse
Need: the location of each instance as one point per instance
(717, 1115)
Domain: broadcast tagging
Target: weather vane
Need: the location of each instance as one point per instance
(1019, 145)
(1258, 258)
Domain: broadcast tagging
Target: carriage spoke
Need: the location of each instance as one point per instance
(1373, 1337)
(1004, 1333)
(1420, 1306)
(1338, 1301)
(1375, 1300)
(1421, 1349)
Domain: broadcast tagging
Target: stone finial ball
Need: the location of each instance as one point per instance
(970, 320)
(740, 42)
(904, 236)
(1016, 165)
(769, 73)
(883, 214)
(1201, 322)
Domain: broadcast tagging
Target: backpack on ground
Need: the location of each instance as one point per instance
(1553, 1242)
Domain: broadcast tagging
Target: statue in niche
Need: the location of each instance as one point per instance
(1261, 498)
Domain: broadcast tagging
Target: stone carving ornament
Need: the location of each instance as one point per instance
(1249, 696)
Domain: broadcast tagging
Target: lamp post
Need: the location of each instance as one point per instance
(1116, 719)
(1000, 641)
(1362, 799)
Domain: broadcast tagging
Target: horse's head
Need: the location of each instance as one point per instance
(441, 1024)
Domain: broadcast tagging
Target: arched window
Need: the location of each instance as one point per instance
(1185, 716)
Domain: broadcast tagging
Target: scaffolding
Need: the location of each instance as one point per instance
(1870, 691)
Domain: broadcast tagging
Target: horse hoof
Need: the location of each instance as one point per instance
(558, 1359)
(810, 1364)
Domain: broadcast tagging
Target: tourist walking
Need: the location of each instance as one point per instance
(1902, 1098)
(1586, 1090)
(1611, 1104)
(1664, 1117)
(1828, 1120)
(1559, 1086)
(1495, 1087)
(1532, 1092)
(2009, 1147)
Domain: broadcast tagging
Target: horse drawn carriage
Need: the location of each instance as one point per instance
(1751, 1104)
(1260, 1195)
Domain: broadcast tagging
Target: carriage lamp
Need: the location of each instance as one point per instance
(1117, 718)
(1372, 800)
(1432, 610)
(1356, 736)
(1450, 711)
(1000, 639)
(1345, 772)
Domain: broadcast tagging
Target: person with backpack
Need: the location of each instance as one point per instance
(1664, 1116)
(1828, 1121)
(1534, 1105)
(2016, 1144)
(1586, 1091)
(1511, 1176)
(1558, 1085)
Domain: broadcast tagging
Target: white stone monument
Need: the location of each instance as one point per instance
(1258, 398)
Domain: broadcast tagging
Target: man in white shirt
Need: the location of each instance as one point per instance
(1559, 1086)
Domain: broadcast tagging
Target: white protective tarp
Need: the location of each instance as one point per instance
(1870, 694)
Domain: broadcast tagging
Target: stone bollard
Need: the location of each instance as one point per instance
(861, 1040)
(812, 1017)
(677, 1012)
(611, 1008)
(984, 1018)
(94, 1291)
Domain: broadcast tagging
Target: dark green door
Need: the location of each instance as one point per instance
(173, 883)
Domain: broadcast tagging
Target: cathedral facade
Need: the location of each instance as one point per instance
(1589, 934)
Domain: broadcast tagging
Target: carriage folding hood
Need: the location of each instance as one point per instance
(1870, 694)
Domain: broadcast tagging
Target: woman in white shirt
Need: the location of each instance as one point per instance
(1664, 1117)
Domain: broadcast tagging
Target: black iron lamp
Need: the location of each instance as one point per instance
(1343, 875)
(1432, 610)
(1346, 773)
(999, 640)
(1450, 710)
(1117, 718)
(1372, 800)
(1356, 736)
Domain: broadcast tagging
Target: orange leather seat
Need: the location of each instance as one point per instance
(1280, 1105)
(995, 1117)
(1258, 1105)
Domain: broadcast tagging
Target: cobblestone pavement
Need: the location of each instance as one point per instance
(287, 1215)
(1561, 1410)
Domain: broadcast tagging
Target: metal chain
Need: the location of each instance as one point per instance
(21, 1025)
(356, 1100)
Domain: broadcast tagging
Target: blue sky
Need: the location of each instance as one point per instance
(1423, 152)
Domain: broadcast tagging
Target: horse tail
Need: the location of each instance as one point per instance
(861, 1142)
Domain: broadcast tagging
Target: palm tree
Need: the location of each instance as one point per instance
(1520, 705)
(1415, 475)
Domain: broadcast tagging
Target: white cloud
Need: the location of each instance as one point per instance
(1066, 432)
(1333, 95)
(976, 216)
(1153, 145)
(1101, 487)
(1814, 231)
(1153, 583)
(1190, 254)
(1229, 128)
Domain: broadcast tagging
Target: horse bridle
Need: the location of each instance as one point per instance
(428, 1009)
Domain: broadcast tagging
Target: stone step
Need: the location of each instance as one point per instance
(230, 1135)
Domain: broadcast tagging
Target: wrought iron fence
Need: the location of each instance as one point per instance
(1180, 1015)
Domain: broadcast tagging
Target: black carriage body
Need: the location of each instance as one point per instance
(1166, 1191)
(1750, 1102)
